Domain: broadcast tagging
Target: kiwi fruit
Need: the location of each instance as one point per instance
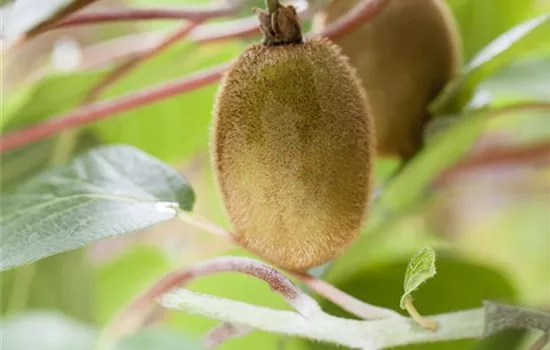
(404, 57)
(292, 146)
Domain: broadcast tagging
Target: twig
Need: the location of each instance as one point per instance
(190, 12)
(366, 335)
(131, 318)
(224, 332)
(347, 302)
(129, 65)
(97, 111)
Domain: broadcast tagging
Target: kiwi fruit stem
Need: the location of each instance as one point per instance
(280, 24)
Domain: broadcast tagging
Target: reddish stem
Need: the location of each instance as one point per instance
(192, 13)
(94, 112)
(101, 110)
(129, 65)
(131, 318)
(345, 301)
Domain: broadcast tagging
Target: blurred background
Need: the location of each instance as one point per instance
(489, 223)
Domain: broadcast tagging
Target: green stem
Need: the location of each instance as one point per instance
(366, 335)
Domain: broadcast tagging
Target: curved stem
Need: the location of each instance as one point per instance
(328, 291)
(352, 305)
(132, 317)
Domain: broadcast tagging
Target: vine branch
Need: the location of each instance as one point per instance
(133, 316)
(367, 335)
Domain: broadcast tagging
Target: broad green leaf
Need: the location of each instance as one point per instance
(458, 285)
(158, 338)
(103, 193)
(62, 283)
(27, 15)
(125, 277)
(46, 331)
(421, 268)
(515, 43)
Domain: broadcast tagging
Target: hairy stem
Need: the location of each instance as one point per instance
(355, 334)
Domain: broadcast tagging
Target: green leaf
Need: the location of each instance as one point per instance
(420, 269)
(158, 338)
(103, 193)
(27, 15)
(61, 283)
(46, 331)
(515, 43)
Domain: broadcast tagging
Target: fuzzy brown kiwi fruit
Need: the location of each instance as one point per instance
(404, 57)
(292, 146)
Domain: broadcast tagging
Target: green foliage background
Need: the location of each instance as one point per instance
(504, 256)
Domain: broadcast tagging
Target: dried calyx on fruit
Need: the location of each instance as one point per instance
(404, 57)
(292, 146)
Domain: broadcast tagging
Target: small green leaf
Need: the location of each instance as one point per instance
(518, 42)
(420, 269)
(46, 331)
(105, 192)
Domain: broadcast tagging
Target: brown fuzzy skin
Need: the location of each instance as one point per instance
(293, 148)
(404, 57)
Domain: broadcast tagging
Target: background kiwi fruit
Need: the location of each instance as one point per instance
(404, 57)
(293, 146)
